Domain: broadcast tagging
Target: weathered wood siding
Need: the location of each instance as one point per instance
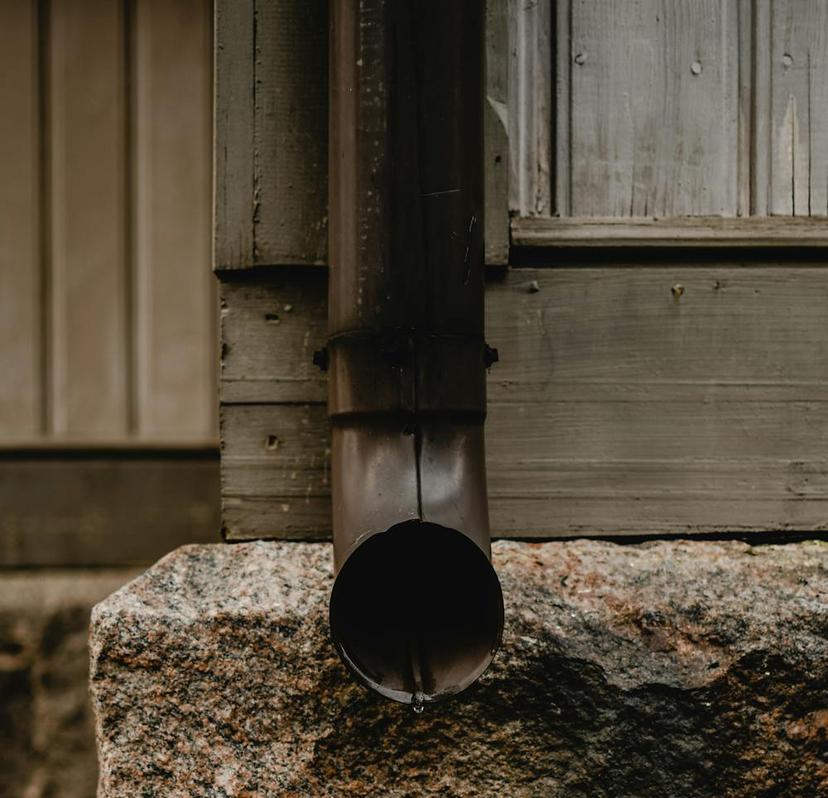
(669, 108)
(272, 133)
(636, 394)
(613, 110)
(107, 303)
(653, 93)
(795, 39)
(628, 399)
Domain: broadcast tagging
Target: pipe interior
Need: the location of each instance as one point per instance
(417, 612)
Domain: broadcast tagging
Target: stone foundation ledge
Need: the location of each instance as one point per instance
(664, 669)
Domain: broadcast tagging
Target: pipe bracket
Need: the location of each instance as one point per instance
(407, 373)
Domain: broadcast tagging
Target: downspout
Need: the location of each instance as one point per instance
(416, 610)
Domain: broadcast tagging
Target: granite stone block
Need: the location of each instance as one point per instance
(671, 668)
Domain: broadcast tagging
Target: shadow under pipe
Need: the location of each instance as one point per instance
(416, 610)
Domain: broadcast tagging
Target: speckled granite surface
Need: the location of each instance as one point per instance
(663, 669)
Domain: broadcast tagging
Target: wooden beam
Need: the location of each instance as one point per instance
(106, 506)
(773, 231)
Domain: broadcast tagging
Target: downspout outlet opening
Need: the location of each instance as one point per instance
(417, 612)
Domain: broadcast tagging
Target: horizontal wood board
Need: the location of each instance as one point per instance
(750, 231)
(105, 507)
(639, 400)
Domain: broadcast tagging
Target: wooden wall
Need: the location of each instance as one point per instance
(107, 306)
(664, 109)
(671, 381)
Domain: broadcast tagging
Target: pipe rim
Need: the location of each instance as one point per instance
(488, 624)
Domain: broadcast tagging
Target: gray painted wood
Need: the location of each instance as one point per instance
(656, 400)
(271, 133)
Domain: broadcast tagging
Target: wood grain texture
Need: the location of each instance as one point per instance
(758, 231)
(562, 111)
(269, 333)
(234, 209)
(530, 107)
(20, 284)
(271, 133)
(621, 404)
(271, 123)
(87, 102)
(174, 305)
(798, 84)
(496, 134)
(670, 109)
(654, 108)
(290, 133)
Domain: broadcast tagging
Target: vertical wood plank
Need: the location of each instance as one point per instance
(20, 397)
(744, 28)
(87, 181)
(530, 106)
(760, 78)
(654, 99)
(271, 108)
(799, 107)
(496, 134)
(174, 309)
(291, 131)
(235, 204)
(562, 99)
(271, 132)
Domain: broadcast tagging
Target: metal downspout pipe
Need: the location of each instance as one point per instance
(416, 610)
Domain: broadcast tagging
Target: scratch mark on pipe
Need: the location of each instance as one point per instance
(467, 255)
(441, 193)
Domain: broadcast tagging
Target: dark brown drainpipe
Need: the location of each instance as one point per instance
(416, 610)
